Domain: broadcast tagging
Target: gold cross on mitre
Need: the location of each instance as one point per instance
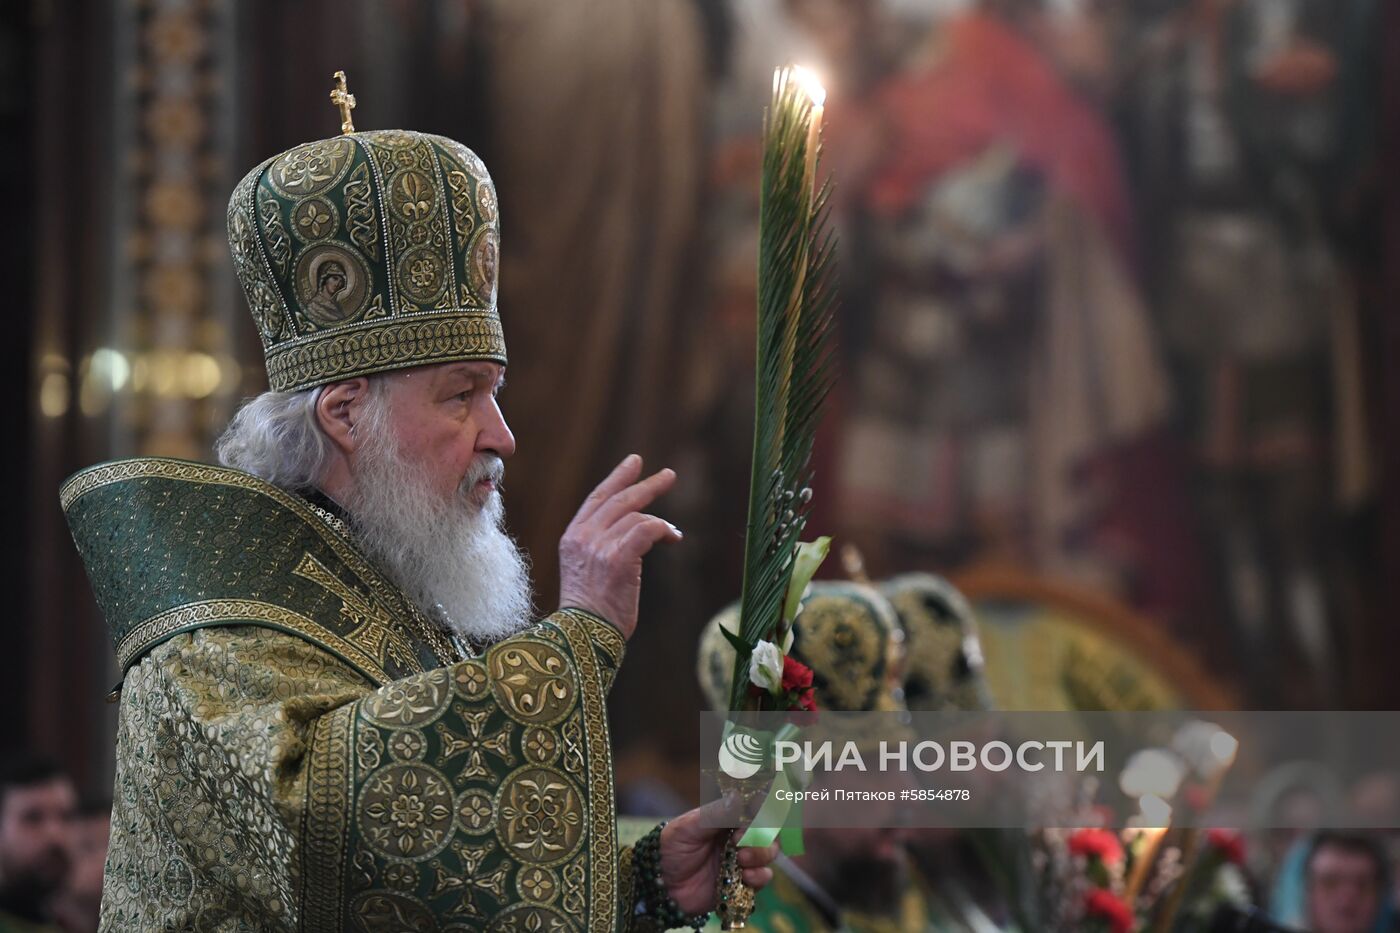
(342, 98)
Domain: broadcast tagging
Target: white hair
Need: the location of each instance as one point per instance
(276, 438)
(451, 556)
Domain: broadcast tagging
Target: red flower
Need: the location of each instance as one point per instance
(1097, 843)
(796, 675)
(1109, 907)
(797, 684)
(1229, 843)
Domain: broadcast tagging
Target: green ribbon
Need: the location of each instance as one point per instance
(782, 819)
(779, 819)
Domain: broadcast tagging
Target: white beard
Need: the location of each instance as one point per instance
(451, 557)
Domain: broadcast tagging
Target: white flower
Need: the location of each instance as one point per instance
(1232, 885)
(766, 667)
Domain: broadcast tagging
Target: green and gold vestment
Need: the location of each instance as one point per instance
(299, 748)
(784, 907)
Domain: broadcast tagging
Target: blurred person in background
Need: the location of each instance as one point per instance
(78, 903)
(38, 805)
(943, 672)
(1299, 798)
(1347, 881)
(1375, 799)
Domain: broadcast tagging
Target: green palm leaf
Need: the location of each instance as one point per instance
(793, 363)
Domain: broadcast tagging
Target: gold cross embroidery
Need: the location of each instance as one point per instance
(372, 627)
(342, 98)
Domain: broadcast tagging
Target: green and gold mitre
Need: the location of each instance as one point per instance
(367, 252)
(847, 633)
(943, 668)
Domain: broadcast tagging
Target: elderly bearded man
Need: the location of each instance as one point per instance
(336, 712)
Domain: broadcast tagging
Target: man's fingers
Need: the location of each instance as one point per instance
(645, 535)
(723, 811)
(633, 498)
(626, 523)
(757, 877)
(756, 856)
(622, 476)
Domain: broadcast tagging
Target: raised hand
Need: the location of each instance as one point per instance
(600, 555)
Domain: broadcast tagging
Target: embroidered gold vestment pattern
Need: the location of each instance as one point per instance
(299, 749)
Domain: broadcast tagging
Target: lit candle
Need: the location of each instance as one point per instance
(1224, 747)
(1155, 819)
(807, 80)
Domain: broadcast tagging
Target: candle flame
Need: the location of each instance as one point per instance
(1156, 812)
(1224, 746)
(807, 79)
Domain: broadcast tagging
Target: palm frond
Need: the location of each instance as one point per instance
(793, 371)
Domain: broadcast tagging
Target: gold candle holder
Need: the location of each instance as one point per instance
(736, 899)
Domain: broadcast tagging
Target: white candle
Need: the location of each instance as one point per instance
(809, 83)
